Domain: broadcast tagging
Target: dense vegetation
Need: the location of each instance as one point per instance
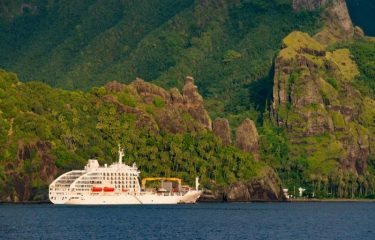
(321, 179)
(364, 54)
(225, 45)
(228, 46)
(325, 142)
(81, 125)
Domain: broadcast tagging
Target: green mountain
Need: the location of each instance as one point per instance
(46, 131)
(299, 69)
(329, 123)
(225, 45)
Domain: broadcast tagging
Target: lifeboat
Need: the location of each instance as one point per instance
(108, 189)
(96, 189)
(124, 190)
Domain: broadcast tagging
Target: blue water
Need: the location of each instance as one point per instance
(200, 221)
(362, 13)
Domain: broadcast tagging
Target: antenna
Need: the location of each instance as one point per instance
(120, 154)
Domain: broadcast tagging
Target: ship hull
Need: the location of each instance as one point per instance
(128, 199)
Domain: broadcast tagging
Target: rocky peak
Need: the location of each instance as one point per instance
(170, 117)
(190, 92)
(221, 128)
(247, 138)
(149, 91)
(193, 102)
(114, 87)
(336, 18)
(176, 96)
(338, 24)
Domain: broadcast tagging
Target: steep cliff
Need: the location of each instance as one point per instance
(247, 138)
(316, 101)
(221, 128)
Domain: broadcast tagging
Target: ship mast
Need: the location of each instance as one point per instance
(120, 154)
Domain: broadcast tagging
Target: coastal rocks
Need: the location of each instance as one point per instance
(266, 187)
(247, 138)
(358, 32)
(221, 129)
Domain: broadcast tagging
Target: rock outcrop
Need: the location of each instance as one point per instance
(336, 18)
(267, 187)
(317, 104)
(39, 165)
(177, 110)
(169, 111)
(247, 138)
(194, 103)
(221, 129)
(338, 24)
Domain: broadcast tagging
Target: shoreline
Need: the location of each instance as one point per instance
(360, 200)
(295, 200)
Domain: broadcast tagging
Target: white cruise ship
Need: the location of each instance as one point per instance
(117, 184)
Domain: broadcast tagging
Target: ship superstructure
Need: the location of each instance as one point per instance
(116, 184)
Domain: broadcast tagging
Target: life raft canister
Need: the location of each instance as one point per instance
(108, 189)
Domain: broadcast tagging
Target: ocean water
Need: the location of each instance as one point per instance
(362, 13)
(199, 221)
